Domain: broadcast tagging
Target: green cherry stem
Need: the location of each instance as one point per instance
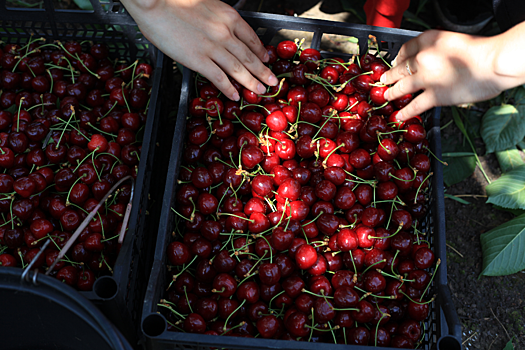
(230, 315)
(432, 278)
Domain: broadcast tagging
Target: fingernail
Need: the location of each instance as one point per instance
(236, 96)
(273, 80)
(383, 78)
(385, 95)
(266, 57)
(261, 89)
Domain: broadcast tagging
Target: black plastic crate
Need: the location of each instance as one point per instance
(119, 296)
(443, 330)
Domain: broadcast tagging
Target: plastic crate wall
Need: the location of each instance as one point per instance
(119, 296)
(443, 329)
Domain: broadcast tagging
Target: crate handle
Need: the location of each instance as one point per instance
(91, 215)
(153, 325)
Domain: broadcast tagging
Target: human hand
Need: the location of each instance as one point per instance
(207, 36)
(450, 68)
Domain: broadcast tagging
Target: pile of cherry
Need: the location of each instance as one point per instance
(299, 211)
(69, 123)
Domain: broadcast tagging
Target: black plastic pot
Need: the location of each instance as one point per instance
(40, 312)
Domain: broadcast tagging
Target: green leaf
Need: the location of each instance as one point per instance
(13, 109)
(509, 345)
(502, 127)
(519, 96)
(504, 248)
(84, 4)
(457, 199)
(410, 17)
(461, 163)
(509, 190)
(509, 159)
(515, 212)
(521, 145)
(354, 8)
(473, 121)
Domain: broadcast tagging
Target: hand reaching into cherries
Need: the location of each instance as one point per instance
(209, 37)
(453, 68)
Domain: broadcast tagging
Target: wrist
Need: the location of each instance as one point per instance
(507, 63)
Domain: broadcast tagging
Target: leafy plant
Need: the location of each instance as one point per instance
(502, 129)
(503, 248)
(84, 4)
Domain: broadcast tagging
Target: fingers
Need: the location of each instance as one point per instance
(217, 77)
(252, 67)
(234, 66)
(246, 34)
(399, 72)
(407, 85)
(417, 106)
(409, 49)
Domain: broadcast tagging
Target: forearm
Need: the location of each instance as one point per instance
(508, 62)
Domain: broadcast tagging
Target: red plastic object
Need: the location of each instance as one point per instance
(385, 13)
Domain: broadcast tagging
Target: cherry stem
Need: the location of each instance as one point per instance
(353, 263)
(18, 116)
(314, 219)
(362, 181)
(317, 295)
(352, 106)
(250, 130)
(101, 131)
(332, 152)
(230, 315)
(377, 262)
(269, 247)
(65, 126)
(71, 189)
(374, 41)
(313, 324)
(395, 276)
(235, 251)
(336, 327)
(392, 235)
(436, 157)
(349, 309)
(421, 185)
(133, 65)
(223, 162)
(417, 302)
(342, 86)
(322, 126)
(240, 155)
(187, 300)
(167, 306)
(432, 278)
(323, 82)
(240, 217)
(278, 91)
(275, 296)
(88, 70)
(182, 216)
(255, 105)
